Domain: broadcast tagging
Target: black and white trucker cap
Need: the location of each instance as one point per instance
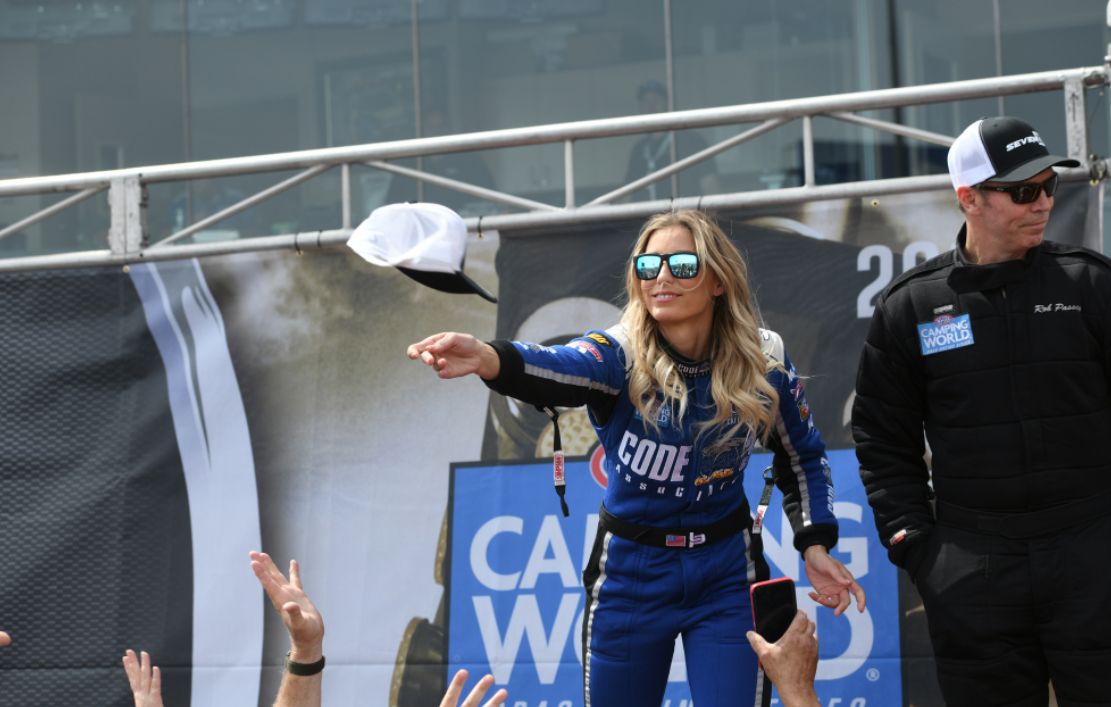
(1001, 149)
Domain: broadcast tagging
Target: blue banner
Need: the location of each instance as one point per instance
(516, 599)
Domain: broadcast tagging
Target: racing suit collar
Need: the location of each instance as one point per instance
(689, 368)
(969, 277)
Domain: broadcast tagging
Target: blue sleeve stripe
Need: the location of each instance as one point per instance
(568, 379)
(796, 466)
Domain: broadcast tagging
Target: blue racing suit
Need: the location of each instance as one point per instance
(641, 596)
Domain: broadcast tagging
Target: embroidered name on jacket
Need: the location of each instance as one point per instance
(1057, 307)
(945, 333)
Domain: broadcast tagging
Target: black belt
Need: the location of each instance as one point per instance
(1030, 524)
(674, 538)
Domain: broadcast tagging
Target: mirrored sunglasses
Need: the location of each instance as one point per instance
(682, 265)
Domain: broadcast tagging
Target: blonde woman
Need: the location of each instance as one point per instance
(680, 392)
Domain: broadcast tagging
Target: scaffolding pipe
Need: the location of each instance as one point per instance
(301, 242)
(895, 128)
(688, 161)
(243, 205)
(808, 151)
(345, 195)
(50, 211)
(463, 187)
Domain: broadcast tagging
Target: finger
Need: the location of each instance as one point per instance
(131, 667)
(453, 690)
(858, 592)
(499, 698)
(830, 601)
(292, 610)
(478, 692)
(415, 350)
(843, 602)
(759, 645)
(269, 584)
(295, 573)
(799, 623)
(144, 672)
(156, 681)
(5, 639)
(266, 568)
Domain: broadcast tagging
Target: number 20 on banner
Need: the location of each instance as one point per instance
(914, 254)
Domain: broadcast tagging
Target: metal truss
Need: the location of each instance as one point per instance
(128, 237)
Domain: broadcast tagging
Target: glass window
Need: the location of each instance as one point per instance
(511, 64)
(754, 51)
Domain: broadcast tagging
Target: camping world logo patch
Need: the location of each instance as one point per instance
(944, 333)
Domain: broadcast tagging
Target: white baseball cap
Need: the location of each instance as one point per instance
(1001, 149)
(427, 242)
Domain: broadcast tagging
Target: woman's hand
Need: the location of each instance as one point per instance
(453, 355)
(831, 580)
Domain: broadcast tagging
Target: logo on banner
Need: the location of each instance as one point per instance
(516, 600)
(598, 466)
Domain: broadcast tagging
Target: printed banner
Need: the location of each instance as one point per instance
(516, 598)
(160, 422)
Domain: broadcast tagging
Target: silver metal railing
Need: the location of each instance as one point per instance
(127, 237)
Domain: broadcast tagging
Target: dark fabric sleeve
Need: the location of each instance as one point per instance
(887, 423)
(802, 472)
(584, 372)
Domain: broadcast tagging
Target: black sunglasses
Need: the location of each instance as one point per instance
(683, 265)
(1026, 192)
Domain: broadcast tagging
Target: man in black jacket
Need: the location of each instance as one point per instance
(1000, 350)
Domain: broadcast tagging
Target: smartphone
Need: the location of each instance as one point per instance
(773, 607)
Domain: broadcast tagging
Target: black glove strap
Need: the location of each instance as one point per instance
(303, 669)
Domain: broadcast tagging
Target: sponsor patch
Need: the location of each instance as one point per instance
(587, 348)
(796, 390)
(945, 333)
(599, 338)
(804, 410)
(703, 479)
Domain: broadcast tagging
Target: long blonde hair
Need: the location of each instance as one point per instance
(738, 375)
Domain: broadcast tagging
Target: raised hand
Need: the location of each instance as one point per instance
(301, 619)
(453, 354)
(146, 681)
(451, 697)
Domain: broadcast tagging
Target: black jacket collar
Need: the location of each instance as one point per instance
(969, 277)
(689, 368)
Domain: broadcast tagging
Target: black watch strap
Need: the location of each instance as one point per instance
(303, 669)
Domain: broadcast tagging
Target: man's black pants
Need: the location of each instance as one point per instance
(1007, 615)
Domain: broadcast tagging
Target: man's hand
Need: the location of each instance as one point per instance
(832, 581)
(5, 639)
(451, 697)
(301, 619)
(791, 662)
(453, 355)
(146, 681)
